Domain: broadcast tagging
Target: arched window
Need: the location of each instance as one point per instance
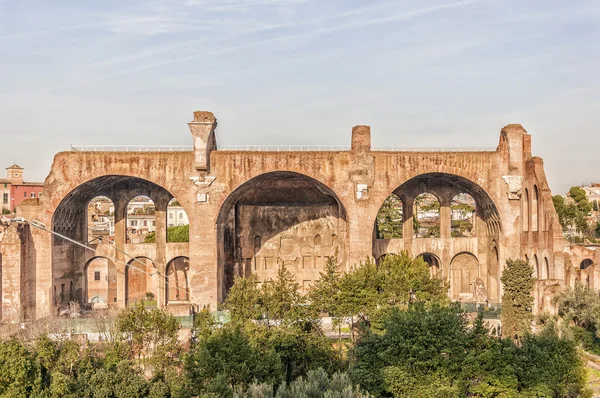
(535, 209)
(178, 223)
(525, 210)
(426, 220)
(390, 218)
(536, 264)
(546, 268)
(141, 220)
(100, 220)
(463, 216)
(585, 263)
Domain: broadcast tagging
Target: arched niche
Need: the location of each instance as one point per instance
(279, 218)
(141, 281)
(525, 210)
(535, 209)
(177, 284)
(433, 261)
(100, 275)
(586, 263)
(464, 270)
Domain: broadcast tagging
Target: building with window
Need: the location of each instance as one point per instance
(14, 190)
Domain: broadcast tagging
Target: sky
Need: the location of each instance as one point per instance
(421, 73)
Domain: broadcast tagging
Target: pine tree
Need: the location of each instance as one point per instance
(324, 296)
(281, 297)
(517, 300)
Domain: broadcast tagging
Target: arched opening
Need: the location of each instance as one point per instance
(546, 268)
(464, 269)
(178, 223)
(141, 281)
(177, 279)
(426, 223)
(433, 261)
(472, 215)
(296, 219)
(100, 220)
(525, 210)
(390, 218)
(535, 209)
(100, 281)
(70, 218)
(141, 220)
(586, 263)
(536, 264)
(463, 216)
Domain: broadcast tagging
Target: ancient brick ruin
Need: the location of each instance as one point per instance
(251, 211)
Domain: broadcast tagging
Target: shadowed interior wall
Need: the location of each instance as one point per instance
(280, 219)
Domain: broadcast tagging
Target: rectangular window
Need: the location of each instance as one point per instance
(171, 216)
(180, 216)
(33, 194)
(96, 275)
(5, 198)
(5, 185)
(24, 194)
(134, 223)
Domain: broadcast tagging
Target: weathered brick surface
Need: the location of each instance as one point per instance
(251, 209)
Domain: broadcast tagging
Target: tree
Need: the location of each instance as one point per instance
(226, 359)
(517, 300)
(396, 281)
(324, 295)
(581, 306)
(151, 335)
(244, 300)
(317, 383)
(180, 233)
(281, 297)
(389, 218)
(19, 372)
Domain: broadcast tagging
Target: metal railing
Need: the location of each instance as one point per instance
(269, 148)
(131, 148)
(432, 149)
(283, 148)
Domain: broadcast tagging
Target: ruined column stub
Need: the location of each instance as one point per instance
(203, 132)
(361, 138)
(514, 136)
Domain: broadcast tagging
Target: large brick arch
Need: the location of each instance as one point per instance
(295, 202)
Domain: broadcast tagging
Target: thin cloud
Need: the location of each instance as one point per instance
(279, 39)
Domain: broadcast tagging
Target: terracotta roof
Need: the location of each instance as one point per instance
(15, 166)
(3, 181)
